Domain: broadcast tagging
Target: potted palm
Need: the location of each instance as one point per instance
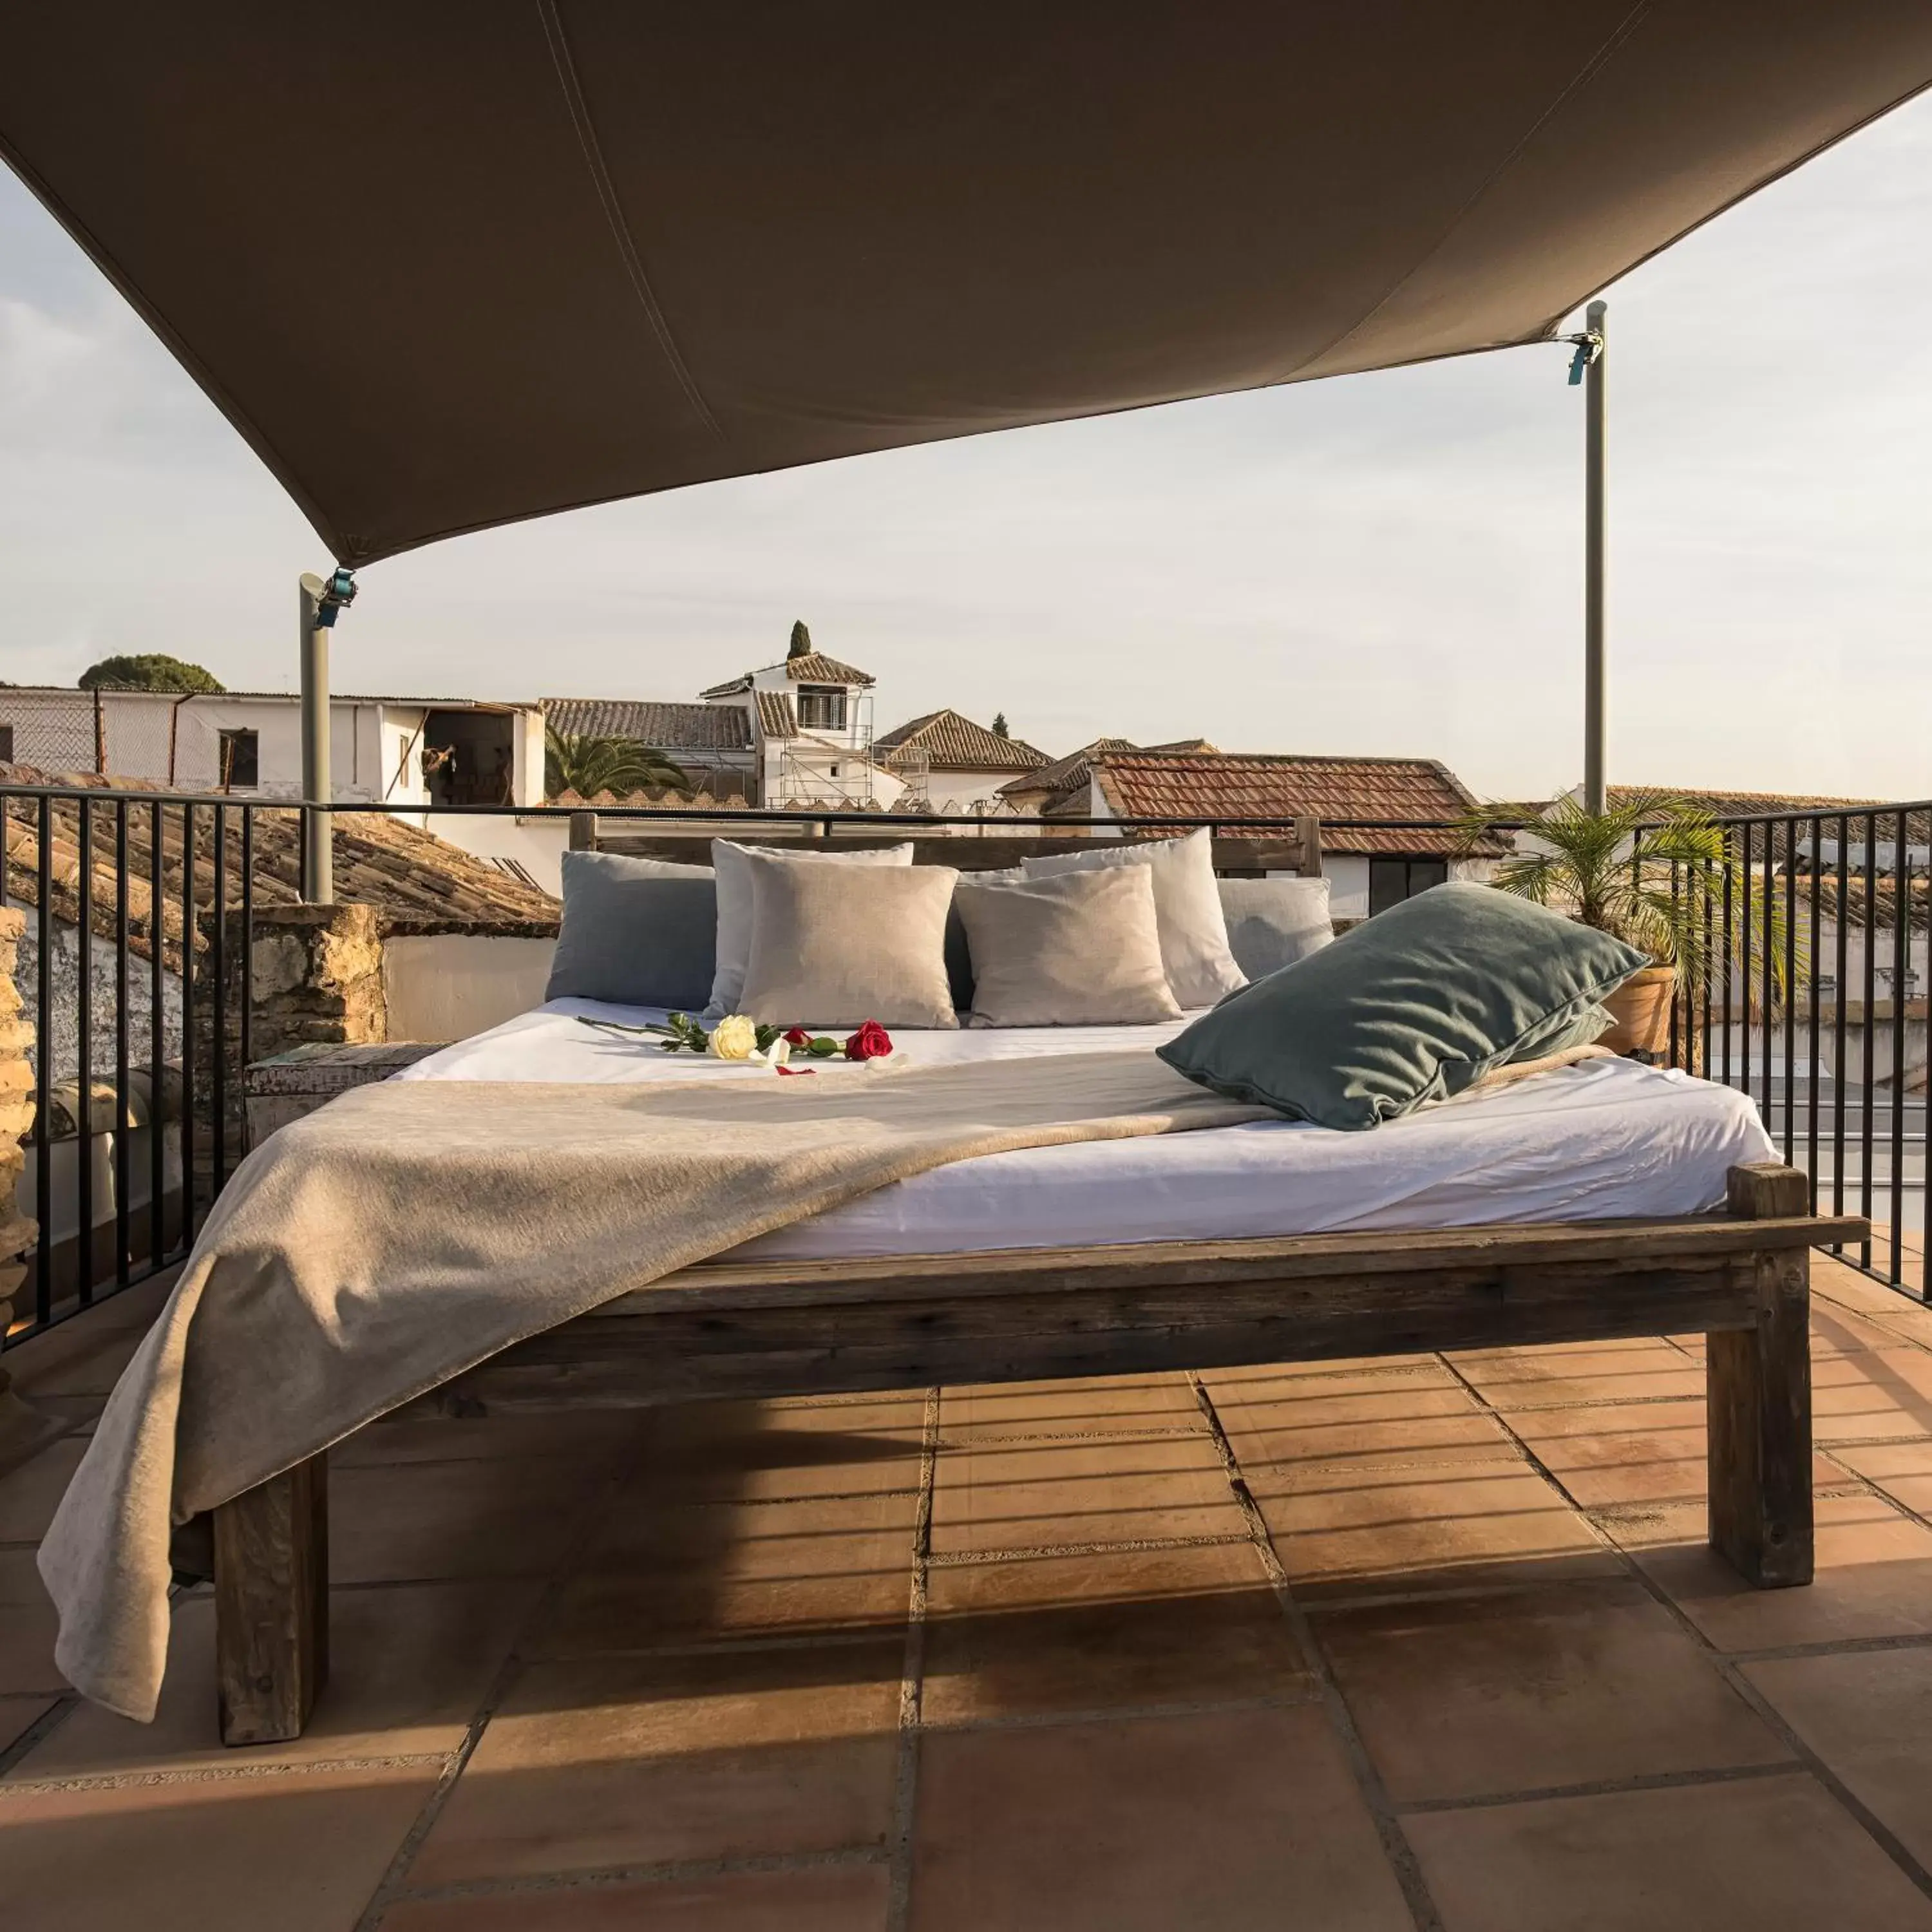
(1657, 872)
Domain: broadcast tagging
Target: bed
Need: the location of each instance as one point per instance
(1599, 1201)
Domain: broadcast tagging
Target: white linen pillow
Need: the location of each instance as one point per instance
(836, 946)
(1272, 922)
(734, 907)
(1082, 949)
(1200, 970)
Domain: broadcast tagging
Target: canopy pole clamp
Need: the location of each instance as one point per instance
(1589, 345)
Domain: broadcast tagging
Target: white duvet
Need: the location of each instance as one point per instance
(1603, 1139)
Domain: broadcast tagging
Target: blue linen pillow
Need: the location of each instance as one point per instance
(1410, 1006)
(638, 932)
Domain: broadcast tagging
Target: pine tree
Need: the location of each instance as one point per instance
(801, 641)
(999, 725)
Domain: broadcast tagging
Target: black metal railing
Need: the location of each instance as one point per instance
(1813, 1007)
(142, 910)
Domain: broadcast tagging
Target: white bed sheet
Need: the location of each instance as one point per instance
(1604, 1138)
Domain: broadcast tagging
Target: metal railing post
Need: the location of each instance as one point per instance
(1594, 529)
(318, 872)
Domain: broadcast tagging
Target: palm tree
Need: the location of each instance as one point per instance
(586, 763)
(1656, 871)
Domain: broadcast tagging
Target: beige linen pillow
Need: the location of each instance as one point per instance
(835, 946)
(1201, 969)
(1083, 949)
(734, 908)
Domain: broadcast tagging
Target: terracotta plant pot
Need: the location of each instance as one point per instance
(1641, 1007)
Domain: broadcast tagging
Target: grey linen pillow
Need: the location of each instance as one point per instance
(1193, 931)
(640, 932)
(1410, 1006)
(1082, 949)
(734, 907)
(836, 946)
(1273, 922)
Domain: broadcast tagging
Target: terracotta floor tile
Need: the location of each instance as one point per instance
(423, 1522)
(1405, 1389)
(1406, 1528)
(1050, 1494)
(1868, 1714)
(30, 1494)
(1773, 1854)
(18, 1715)
(1098, 1406)
(1903, 1470)
(1646, 1370)
(27, 1627)
(737, 1570)
(1474, 1697)
(769, 1453)
(1129, 1628)
(299, 1853)
(1839, 1330)
(1621, 1454)
(83, 1356)
(1282, 1462)
(408, 1667)
(1874, 1579)
(1442, 1423)
(1233, 1821)
(1878, 1394)
(417, 1434)
(616, 1761)
(839, 1898)
(1834, 1281)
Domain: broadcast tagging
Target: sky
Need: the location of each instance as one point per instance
(1388, 564)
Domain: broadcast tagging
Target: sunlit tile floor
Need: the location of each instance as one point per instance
(1426, 1642)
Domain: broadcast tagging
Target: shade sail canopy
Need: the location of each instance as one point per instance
(446, 267)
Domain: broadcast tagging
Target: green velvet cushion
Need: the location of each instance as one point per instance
(1407, 1007)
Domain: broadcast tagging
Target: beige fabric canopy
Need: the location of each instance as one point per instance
(448, 267)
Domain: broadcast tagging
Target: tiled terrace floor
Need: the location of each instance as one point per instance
(1376, 1645)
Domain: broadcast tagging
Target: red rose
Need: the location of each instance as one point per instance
(871, 1041)
(798, 1036)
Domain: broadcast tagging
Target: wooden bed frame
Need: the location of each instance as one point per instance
(1740, 1277)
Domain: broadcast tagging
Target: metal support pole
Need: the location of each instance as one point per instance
(318, 868)
(1594, 707)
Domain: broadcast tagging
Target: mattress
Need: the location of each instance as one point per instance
(1601, 1140)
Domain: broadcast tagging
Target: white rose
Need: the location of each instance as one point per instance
(735, 1037)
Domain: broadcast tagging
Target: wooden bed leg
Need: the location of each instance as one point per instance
(1758, 1398)
(271, 1604)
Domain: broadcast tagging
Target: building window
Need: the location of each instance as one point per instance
(821, 707)
(240, 766)
(1392, 880)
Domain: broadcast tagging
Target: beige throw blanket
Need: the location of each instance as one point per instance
(409, 1230)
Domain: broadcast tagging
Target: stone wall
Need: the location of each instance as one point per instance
(58, 1031)
(17, 1234)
